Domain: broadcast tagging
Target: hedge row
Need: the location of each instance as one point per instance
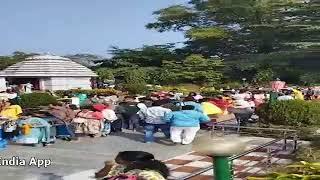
(34, 100)
(291, 113)
(99, 92)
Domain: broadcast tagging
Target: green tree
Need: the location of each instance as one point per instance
(310, 79)
(197, 69)
(142, 57)
(135, 81)
(105, 74)
(265, 76)
(233, 27)
(16, 57)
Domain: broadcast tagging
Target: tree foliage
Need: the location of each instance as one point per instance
(257, 39)
(16, 57)
(105, 74)
(197, 69)
(264, 76)
(252, 26)
(162, 65)
(142, 57)
(135, 81)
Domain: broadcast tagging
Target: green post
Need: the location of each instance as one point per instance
(221, 148)
(222, 168)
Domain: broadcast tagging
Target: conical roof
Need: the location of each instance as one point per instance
(47, 66)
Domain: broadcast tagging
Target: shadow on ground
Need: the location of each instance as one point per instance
(139, 137)
(47, 176)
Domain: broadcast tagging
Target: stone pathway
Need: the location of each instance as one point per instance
(252, 164)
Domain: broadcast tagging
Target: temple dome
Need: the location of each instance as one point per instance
(47, 66)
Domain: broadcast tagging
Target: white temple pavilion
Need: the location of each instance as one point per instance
(48, 72)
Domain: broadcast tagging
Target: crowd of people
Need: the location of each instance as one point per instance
(179, 118)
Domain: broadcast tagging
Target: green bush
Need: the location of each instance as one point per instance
(36, 99)
(300, 170)
(135, 88)
(105, 74)
(210, 91)
(230, 85)
(264, 76)
(99, 92)
(290, 113)
(135, 81)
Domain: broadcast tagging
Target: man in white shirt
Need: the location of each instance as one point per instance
(28, 88)
(153, 117)
(242, 95)
(287, 96)
(242, 109)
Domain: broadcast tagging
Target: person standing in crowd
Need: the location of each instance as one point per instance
(176, 96)
(165, 99)
(153, 120)
(185, 124)
(12, 94)
(242, 109)
(111, 117)
(8, 95)
(65, 112)
(243, 94)
(192, 94)
(28, 88)
(298, 94)
(259, 99)
(309, 94)
(192, 102)
(285, 96)
(198, 97)
(11, 110)
(316, 93)
(111, 122)
(129, 111)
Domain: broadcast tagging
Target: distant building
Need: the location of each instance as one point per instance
(48, 72)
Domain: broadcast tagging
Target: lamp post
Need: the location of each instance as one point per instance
(221, 149)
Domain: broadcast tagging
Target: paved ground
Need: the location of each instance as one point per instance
(252, 164)
(73, 157)
(78, 160)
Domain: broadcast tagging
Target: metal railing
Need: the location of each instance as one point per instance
(284, 138)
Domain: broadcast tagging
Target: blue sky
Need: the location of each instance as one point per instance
(79, 26)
